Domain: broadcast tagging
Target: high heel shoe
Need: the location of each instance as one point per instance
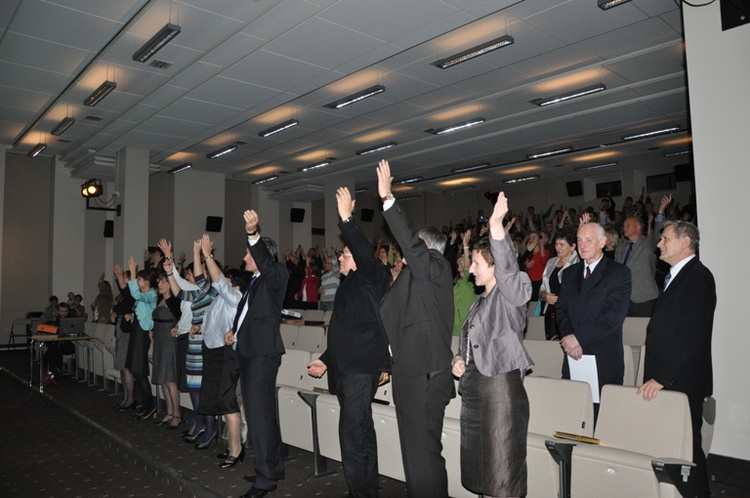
(231, 461)
(172, 427)
(205, 444)
(147, 414)
(124, 408)
(194, 437)
(166, 419)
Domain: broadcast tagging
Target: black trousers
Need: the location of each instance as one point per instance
(644, 309)
(420, 408)
(258, 375)
(699, 474)
(359, 448)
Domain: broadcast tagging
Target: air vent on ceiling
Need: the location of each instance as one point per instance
(63, 141)
(160, 64)
(91, 117)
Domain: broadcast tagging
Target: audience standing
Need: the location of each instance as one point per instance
(565, 247)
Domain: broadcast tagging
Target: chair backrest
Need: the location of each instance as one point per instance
(311, 338)
(289, 335)
(293, 369)
(384, 394)
(327, 317)
(313, 315)
(634, 330)
(547, 357)
(660, 427)
(535, 328)
(559, 405)
(629, 377)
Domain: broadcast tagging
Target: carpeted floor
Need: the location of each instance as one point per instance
(69, 442)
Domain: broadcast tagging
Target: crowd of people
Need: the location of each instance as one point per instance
(395, 307)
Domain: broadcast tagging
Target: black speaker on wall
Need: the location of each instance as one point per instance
(367, 214)
(213, 223)
(684, 173)
(574, 188)
(109, 229)
(297, 215)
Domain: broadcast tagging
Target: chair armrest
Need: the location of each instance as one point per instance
(676, 472)
(561, 452)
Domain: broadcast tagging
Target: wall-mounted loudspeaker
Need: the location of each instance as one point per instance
(574, 188)
(213, 223)
(109, 229)
(684, 173)
(367, 214)
(297, 215)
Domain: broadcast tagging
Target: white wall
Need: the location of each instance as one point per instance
(197, 194)
(718, 74)
(68, 234)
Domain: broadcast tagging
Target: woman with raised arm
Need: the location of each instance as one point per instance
(122, 314)
(491, 365)
(164, 334)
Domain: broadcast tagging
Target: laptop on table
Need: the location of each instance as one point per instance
(72, 327)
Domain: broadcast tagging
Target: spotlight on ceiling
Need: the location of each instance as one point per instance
(482, 49)
(92, 188)
(156, 42)
(63, 125)
(38, 148)
(98, 94)
(356, 97)
(279, 127)
(456, 127)
(569, 95)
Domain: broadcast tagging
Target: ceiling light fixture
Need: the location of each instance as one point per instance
(98, 94)
(663, 131)
(279, 127)
(38, 148)
(360, 190)
(266, 180)
(569, 95)
(322, 164)
(608, 4)
(474, 167)
(180, 168)
(596, 166)
(482, 49)
(377, 148)
(92, 188)
(224, 150)
(456, 127)
(356, 97)
(63, 125)
(522, 179)
(549, 153)
(680, 153)
(156, 42)
(408, 198)
(405, 181)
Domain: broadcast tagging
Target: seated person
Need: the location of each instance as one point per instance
(53, 356)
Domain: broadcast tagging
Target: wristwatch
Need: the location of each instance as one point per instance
(254, 232)
(387, 197)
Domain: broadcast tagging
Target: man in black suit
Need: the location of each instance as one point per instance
(357, 351)
(259, 347)
(678, 344)
(418, 317)
(593, 302)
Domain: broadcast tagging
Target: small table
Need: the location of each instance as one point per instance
(41, 340)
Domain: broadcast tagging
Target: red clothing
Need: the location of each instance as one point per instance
(537, 271)
(309, 290)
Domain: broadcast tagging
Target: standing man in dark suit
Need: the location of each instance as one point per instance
(357, 351)
(593, 302)
(418, 317)
(257, 340)
(678, 344)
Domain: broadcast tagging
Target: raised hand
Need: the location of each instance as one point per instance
(585, 218)
(166, 247)
(384, 178)
(497, 230)
(345, 203)
(207, 245)
(132, 266)
(251, 220)
(665, 201)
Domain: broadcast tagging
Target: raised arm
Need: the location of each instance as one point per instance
(207, 248)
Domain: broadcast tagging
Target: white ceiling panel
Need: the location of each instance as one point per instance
(271, 70)
(232, 93)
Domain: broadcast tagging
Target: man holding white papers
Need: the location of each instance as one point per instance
(592, 306)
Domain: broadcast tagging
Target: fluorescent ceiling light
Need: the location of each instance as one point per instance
(266, 180)
(680, 153)
(98, 94)
(409, 180)
(482, 49)
(569, 95)
(63, 125)
(522, 179)
(224, 150)
(409, 198)
(356, 97)
(456, 127)
(360, 190)
(179, 169)
(663, 131)
(321, 164)
(279, 127)
(549, 153)
(156, 42)
(377, 148)
(596, 166)
(474, 167)
(38, 148)
(608, 4)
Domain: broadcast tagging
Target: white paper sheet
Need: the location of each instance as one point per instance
(585, 371)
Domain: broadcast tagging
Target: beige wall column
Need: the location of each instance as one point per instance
(131, 229)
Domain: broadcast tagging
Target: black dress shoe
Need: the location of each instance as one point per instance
(249, 479)
(258, 492)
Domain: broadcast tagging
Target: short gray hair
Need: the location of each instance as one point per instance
(272, 247)
(685, 229)
(433, 237)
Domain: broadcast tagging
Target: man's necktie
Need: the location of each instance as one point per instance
(627, 253)
(588, 272)
(667, 278)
